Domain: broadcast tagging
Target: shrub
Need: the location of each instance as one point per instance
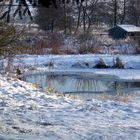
(55, 42)
(83, 49)
(7, 36)
(90, 46)
(101, 64)
(118, 63)
(137, 50)
(137, 47)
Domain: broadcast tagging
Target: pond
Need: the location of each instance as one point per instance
(84, 86)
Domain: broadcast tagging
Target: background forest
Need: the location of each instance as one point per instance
(50, 25)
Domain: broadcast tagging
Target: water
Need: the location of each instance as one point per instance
(84, 86)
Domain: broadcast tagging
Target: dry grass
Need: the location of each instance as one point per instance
(40, 46)
(121, 98)
(69, 51)
(87, 48)
(82, 44)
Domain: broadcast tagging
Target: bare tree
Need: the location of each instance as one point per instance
(85, 14)
(124, 11)
(134, 12)
(115, 12)
(23, 6)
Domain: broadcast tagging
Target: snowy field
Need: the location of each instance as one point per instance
(29, 113)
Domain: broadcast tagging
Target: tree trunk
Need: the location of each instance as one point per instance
(124, 12)
(78, 21)
(115, 12)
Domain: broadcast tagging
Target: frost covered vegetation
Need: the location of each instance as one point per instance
(57, 43)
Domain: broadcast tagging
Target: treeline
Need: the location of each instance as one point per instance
(69, 14)
(82, 15)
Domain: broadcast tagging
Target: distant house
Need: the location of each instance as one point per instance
(123, 31)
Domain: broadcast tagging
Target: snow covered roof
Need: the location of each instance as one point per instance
(130, 28)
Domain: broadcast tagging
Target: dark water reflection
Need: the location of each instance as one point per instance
(85, 87)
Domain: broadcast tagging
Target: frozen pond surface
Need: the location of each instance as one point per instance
(84, 86)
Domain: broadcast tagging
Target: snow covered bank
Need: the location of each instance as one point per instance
(63, 64)
(29, 113)
(77, 61)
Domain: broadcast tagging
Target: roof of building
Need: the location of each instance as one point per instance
(129, 28)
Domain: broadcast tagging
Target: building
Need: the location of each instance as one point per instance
(124, 31)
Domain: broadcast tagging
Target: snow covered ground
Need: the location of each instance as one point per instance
(27, 112)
